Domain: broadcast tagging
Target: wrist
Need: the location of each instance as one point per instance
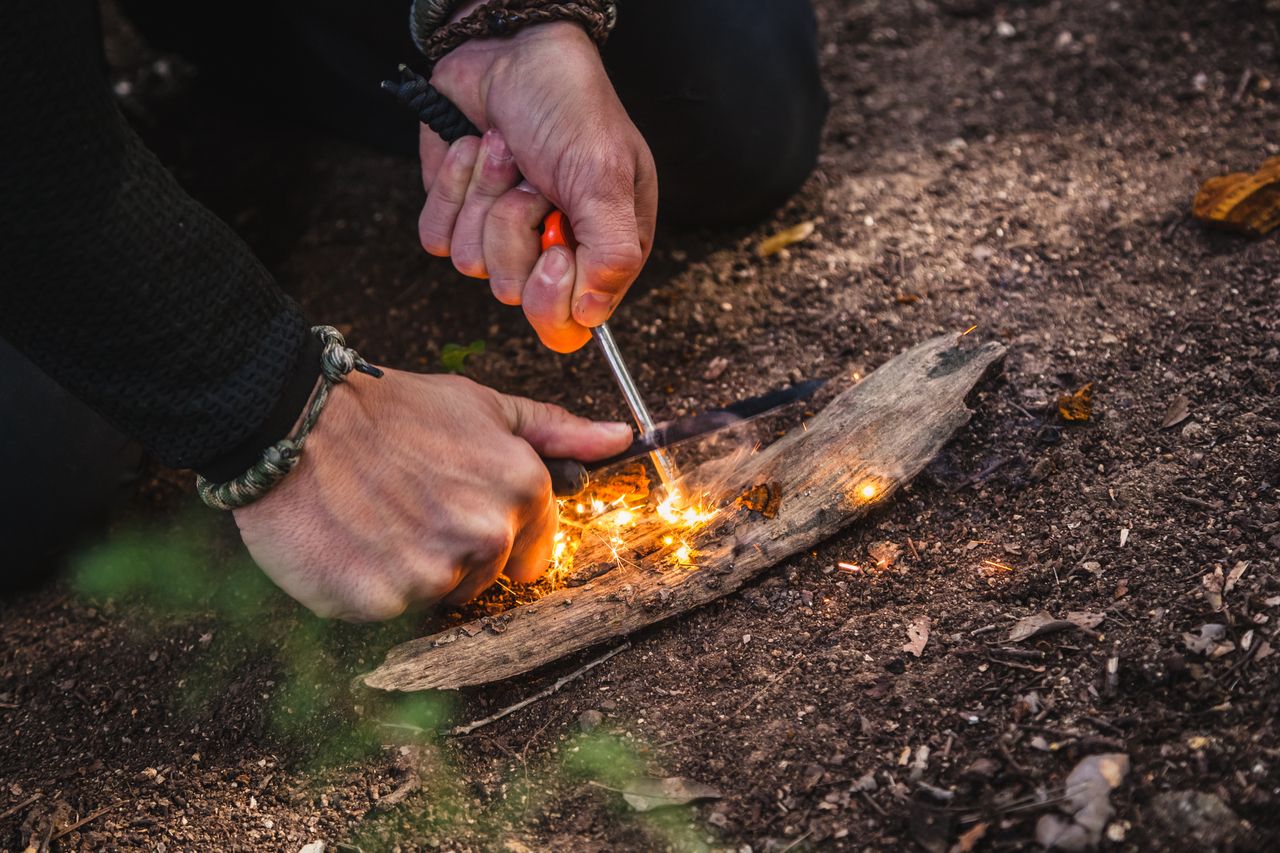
(472, 70)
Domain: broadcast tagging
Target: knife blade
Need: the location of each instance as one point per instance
(569, 476)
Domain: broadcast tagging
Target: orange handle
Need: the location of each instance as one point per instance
(556, 231)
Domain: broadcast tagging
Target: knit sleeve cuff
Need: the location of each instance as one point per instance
(297, 390)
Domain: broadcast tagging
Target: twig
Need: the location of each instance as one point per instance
(871, 802)
(20, 806)
(1243, 86)
(1215, 506)
(94, 815)
(458, 731)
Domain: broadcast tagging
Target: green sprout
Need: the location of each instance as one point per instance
(453, 357)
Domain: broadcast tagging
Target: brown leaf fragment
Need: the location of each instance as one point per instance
(784, 238)
(1077, 406)
(764, 498)
(969, 839)
(917, 635)
(645, 794)
(1085, 620)
(1242, 201)
(1179, 410)
(1040, 624)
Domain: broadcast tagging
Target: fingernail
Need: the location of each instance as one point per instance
(617, 428)
(555, 263)
(496, 145)
(593, 308)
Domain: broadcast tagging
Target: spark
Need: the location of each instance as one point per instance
(867, 491)
(850, 568)
(992, 564)
(623, 517)
(667, 540)
(968, 330)
(581, 509)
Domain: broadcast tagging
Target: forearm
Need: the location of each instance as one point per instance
(119, 285)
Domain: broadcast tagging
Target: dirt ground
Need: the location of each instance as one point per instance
(1025, 167)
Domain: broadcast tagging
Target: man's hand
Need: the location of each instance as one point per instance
(552, 116)
(417, 488)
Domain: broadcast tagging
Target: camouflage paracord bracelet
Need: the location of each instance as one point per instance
(280, 458)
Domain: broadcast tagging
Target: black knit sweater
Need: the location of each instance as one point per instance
(114, 281)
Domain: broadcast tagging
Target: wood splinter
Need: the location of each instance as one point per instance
(864, 446)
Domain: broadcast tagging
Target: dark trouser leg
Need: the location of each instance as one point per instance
(60, 465)
(728, 96)
(726, 92)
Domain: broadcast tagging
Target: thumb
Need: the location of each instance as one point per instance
(556, 434)
(610, 253)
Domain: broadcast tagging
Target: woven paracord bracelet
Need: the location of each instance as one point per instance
(280, 458)
(502, 18)
(427, 16)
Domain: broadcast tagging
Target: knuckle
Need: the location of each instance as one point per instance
(531, 480)
(376, 606)
(490, 545)
(435, 580)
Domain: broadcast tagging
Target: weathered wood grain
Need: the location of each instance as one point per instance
(876, 435)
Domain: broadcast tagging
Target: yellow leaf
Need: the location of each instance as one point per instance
(775, 244)
(1242, 201)
(1077, 406)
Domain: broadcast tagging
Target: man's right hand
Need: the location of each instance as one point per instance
(553, 117)
(417, 488)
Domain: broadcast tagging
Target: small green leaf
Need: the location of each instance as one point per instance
(454, 356)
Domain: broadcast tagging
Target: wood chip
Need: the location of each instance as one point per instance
(784, 238)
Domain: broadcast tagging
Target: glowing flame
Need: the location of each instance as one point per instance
(867, 491)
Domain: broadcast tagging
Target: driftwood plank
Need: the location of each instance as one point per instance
(864, 446)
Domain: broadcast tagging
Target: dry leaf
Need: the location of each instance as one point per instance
(784, 238)
(1179, 410)
(969, 838)
(1085, 620)
(1241, 201)
(1088, 807)
(1039, 624)
(917, 635)
(1077, 406)
(1207, 639)
(644, 794)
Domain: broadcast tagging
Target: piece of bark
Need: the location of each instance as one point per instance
(865, 445)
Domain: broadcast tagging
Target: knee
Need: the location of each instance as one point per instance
(731, 103)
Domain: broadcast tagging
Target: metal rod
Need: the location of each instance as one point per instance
(661, 459)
